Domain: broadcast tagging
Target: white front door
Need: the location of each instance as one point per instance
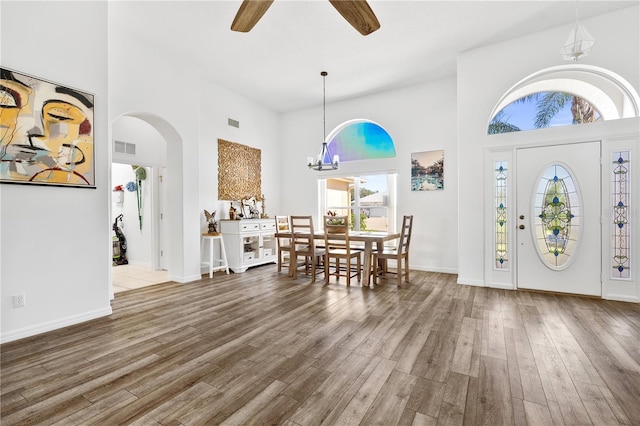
(558, 218)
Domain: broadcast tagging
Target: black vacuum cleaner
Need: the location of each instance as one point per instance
(119, 244)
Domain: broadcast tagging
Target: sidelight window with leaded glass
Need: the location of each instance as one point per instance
(500, 224)
(620, 219)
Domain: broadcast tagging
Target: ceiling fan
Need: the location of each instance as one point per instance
(357, 12)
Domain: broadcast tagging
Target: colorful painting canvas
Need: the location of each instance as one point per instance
(46, 132)
(427, 170)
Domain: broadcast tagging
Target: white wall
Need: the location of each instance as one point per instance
(165, 86)
(259, 128)
(418, 118)
(55, 242)
(151, 148)
(486, 73)
(148, 83)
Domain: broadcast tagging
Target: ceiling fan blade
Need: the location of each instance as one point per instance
(358, 14)
(249, 14)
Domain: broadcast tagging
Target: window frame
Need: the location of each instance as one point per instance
(613, 96)
(391, 206)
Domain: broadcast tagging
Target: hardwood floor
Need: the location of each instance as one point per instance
(261, 348)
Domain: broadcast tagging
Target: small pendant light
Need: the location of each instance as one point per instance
(319, 162)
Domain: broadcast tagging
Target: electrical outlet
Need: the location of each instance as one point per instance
(19, 300)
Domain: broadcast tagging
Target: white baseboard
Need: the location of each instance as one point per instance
(186, 279)
(621, 297)
(502, 286)
(54, 325)
(481, 283)
(476, 283)
(433, 269)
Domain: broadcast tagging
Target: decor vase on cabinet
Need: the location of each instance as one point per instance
(249, 242)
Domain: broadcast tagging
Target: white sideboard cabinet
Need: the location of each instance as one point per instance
(249, 242)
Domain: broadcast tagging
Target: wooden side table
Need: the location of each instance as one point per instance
(222, 264)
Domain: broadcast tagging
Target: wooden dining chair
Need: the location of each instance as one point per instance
(303, 244)
(398, 253)
(283, 244)
(337, 247)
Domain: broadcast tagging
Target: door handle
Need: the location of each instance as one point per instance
(521, 226)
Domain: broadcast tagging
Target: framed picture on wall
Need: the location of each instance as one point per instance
(46, 132)
(427, 171)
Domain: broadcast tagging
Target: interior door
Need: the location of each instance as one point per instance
(558, 209)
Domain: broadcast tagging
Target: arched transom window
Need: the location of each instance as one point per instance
(562, 96)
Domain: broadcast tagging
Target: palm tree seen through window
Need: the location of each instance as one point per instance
(543, 109)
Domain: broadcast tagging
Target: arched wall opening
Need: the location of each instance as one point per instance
(173, 181)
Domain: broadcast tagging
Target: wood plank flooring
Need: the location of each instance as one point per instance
(261, 348)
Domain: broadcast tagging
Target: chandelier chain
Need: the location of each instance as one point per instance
(324, 105)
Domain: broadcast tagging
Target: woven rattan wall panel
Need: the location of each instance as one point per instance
(239, 171)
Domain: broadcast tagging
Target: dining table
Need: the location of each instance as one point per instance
(369, 238)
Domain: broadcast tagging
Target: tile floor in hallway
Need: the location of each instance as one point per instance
(129, 277)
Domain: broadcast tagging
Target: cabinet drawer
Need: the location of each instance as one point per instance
(268, 226)
(248, 256)
(247, 227)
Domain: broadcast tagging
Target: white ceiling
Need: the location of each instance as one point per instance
(278, 63)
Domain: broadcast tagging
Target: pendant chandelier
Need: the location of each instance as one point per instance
(579, 43)
(319, 162)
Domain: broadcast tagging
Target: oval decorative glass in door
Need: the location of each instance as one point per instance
(556, 217)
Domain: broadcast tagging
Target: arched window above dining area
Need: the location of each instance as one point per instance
(367, 196)
(360, 139)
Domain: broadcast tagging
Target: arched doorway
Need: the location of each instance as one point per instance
(162, 160)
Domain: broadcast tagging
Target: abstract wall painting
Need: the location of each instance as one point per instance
(427, 171)
(46, 132)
